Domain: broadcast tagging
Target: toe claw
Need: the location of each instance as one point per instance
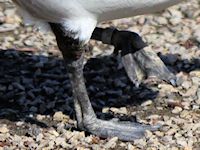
(137, 83)
(173, 82)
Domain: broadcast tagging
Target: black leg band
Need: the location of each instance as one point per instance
(107, 35)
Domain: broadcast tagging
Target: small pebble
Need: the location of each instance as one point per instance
(111, 143)
(147, 103)
(59, 116)
(177, 110)
(4, 129)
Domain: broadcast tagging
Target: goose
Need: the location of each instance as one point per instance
(74, 23)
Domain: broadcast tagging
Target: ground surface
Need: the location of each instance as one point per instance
(36, 107)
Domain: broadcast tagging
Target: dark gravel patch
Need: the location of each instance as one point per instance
(34, 84)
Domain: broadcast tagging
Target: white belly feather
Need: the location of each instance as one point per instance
(81, 16)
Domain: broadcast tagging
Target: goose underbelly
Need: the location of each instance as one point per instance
(116, 9)
(81, 16)
(75, 18)
(58, 10)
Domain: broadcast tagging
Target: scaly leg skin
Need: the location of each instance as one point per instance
(126, 131)
(133, 69)
(153, 66)
(138, 63)
(73, 53)
(79, 117)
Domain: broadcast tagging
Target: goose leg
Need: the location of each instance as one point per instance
(123, 130)
(73, 53)
(138, 62)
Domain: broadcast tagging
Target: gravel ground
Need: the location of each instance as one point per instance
(36, 110)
